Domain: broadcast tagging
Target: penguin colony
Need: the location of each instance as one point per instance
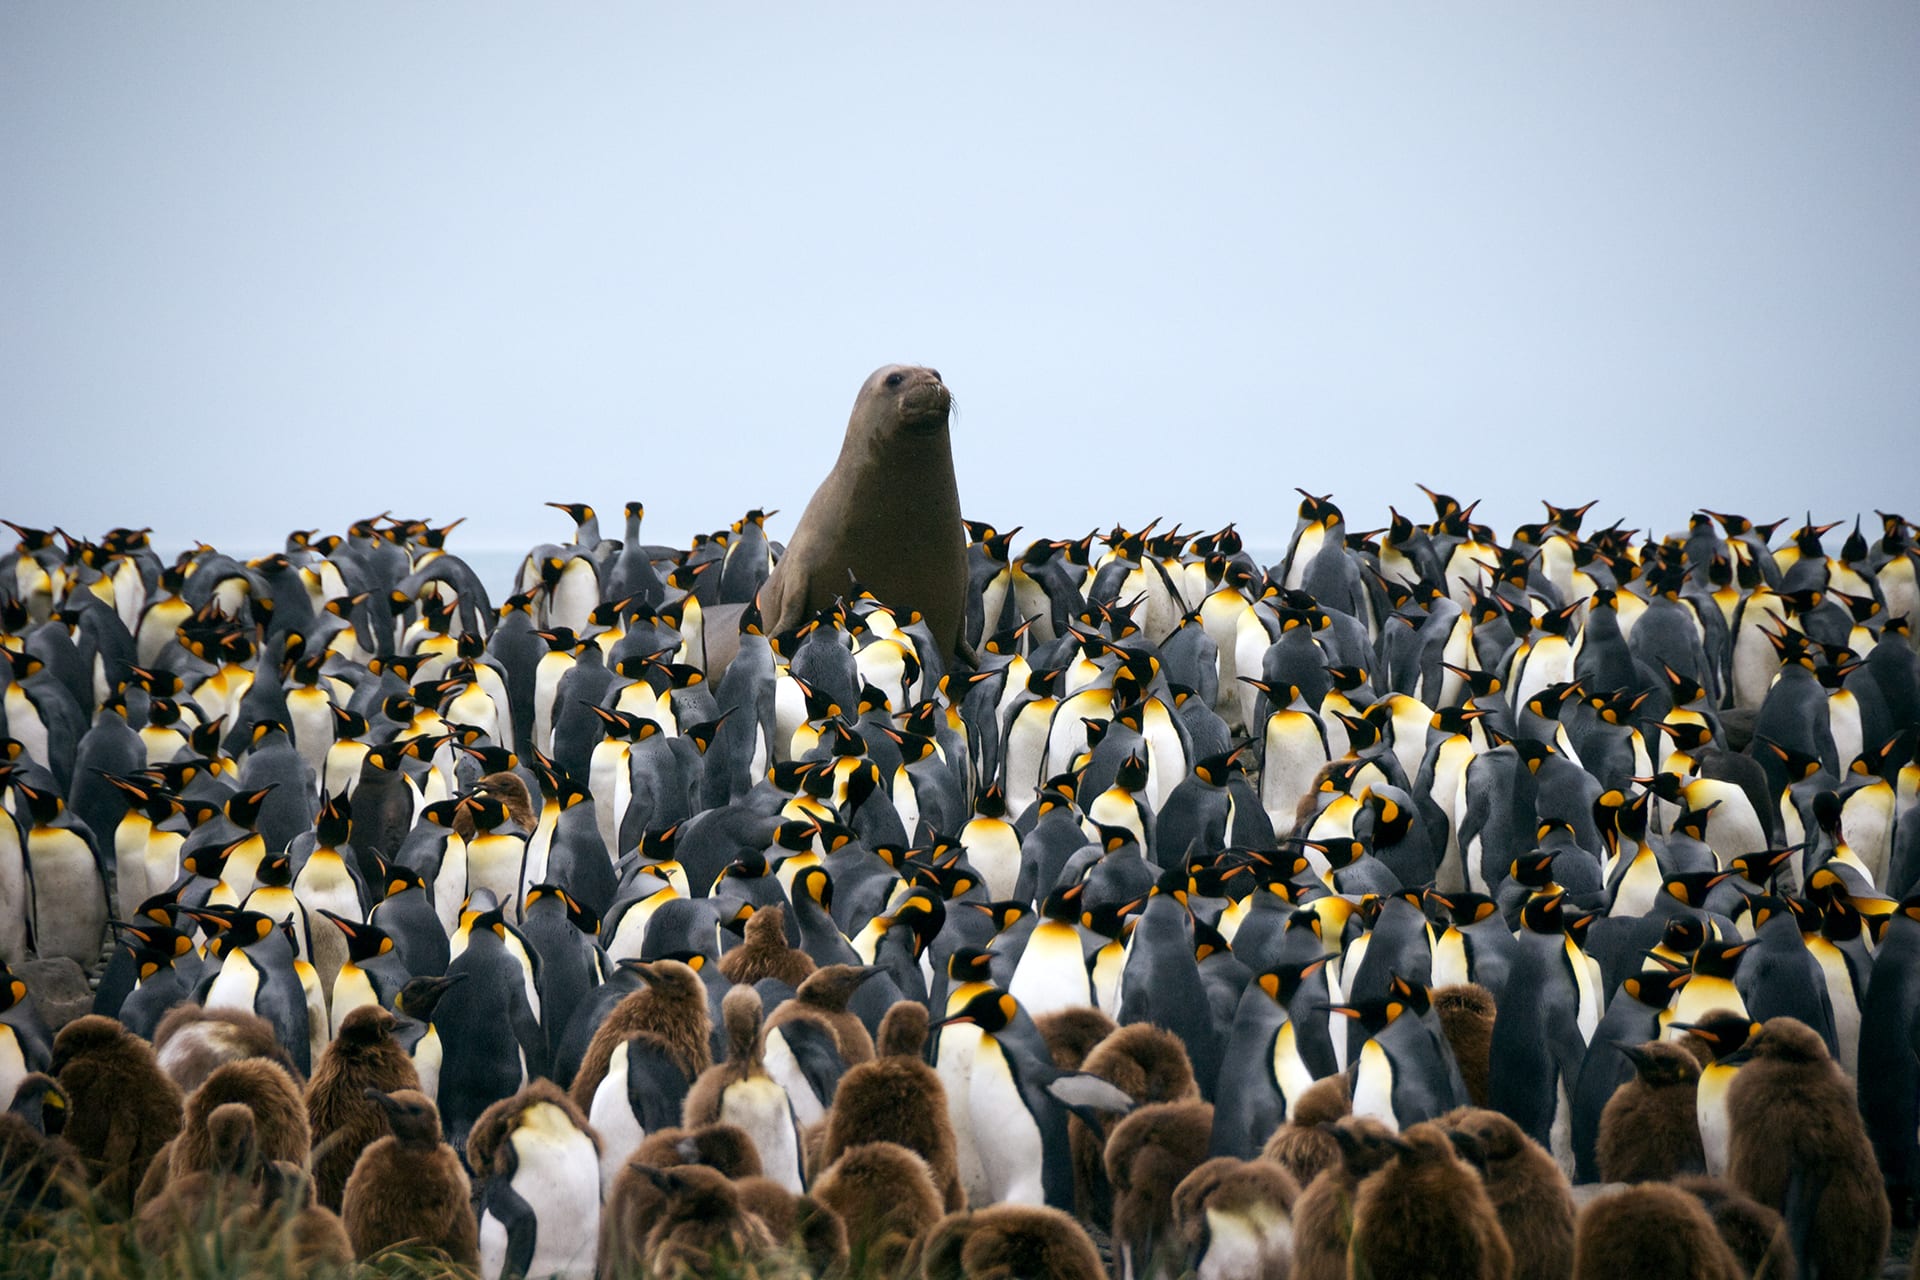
(1334, 917)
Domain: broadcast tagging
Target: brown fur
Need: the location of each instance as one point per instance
(1006, 1240)
(886, 1196)
(191, 1041)
(1071, 1034)
(672, 1006)
(823, 997)
(1791, 1110)
(496, 1124)
(1529, 1192)
(1251, 1190)
(1301, 1146)
(1756, 1234)
(1147, 1064)
(123, 1108)
(200, 1200)
(627, 1214)
(1466, 1019)
(265, 1088)
(1150, 1151)
(700, 1228)
(764, 953)
(1323, 1215)
(1650, 1128)
(310, 1238)
(409, 1186)
(343, 1118)
(1426, 1212)
(724, 1147)
(1649, 1230)
(903, 1030)
(801, 1223)
(897, 1099)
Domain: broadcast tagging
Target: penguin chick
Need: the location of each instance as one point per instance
(739, 1091)
(822, 999)
(1798, 1145)
(1149, 1065)
(408, 1187)
(540, 1202)
(672, 1007)
(306, 1238)
(1756, 1234)
(1005, 1240)
(1649, 1230)
(800, 1222)
(701, 1229)
(1071, 1034)
(1323, 1215)
(1426, 1212)
(1529, 1191)
(897, 1098)
(343, 1118)
(725, 1147)
(1466, 1014)
(887, 1197)
(1303, 1146)
(1234, 1219)
(1150, 1151)
(200, 1201)
(192, 1040)
(763, 952)
(1650, 1127)
(263, 1087)
(39, 1172)
(122, 1108)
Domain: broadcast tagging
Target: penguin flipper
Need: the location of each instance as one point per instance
(1088, 1096)
(656, 1086)
(506, 1206)
(1798, 1205)
(817, 1056)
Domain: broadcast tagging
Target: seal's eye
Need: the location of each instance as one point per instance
(895, 379)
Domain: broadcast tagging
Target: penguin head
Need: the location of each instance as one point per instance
(1661, 1062)
(411, 1115)
(1724, 1032)
(1786, 1039)
(992, 1011)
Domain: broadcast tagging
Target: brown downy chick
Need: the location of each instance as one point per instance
(1426, 1212)
(344, 1119)
(1649, 1230)
(1149, 1065)
(1466, 1020)
(1798, 1145)
(265, 1089)
(823, 998)
(306, 1238)
(1071, 1034)
(1150, 1151)
(511, 791)
(1303, 1145)
(409, 1186)
(192, 1040)
(1756, 1234)
(725, 1147)
(198, 1202)
(635, 1199)
(739, 1091)
(1233, 1219)
(701, 1229)
(672, 1007)
(1323, 1215)
(764, 953)
(1529, 1191)
(1006, 1240)
(1650, 1127)
(886, 1196)
(800, 1222)
(122, 1107)
(897, 1098)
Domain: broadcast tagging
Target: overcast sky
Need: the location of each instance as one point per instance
(266, 266)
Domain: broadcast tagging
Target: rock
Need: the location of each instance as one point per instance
(58, 988)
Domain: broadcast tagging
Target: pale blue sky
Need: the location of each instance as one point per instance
(266, 266)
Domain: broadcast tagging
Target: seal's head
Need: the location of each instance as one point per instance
(913, 399)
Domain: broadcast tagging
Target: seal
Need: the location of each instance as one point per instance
(888, 514)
